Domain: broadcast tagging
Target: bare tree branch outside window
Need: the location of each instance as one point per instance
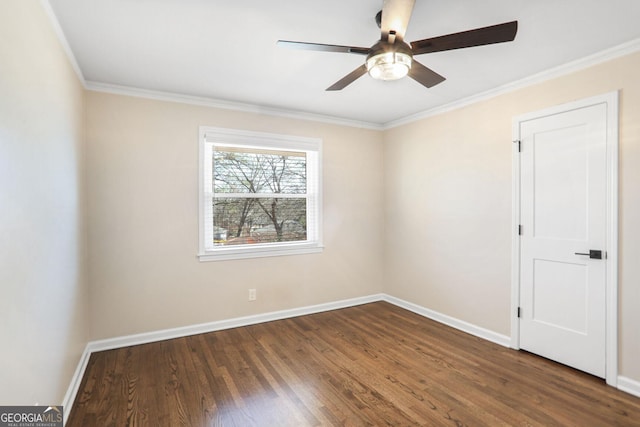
(260, 196)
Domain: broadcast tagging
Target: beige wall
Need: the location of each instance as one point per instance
(448, 203)
(421, 212)
(43, 315)
(142, 178)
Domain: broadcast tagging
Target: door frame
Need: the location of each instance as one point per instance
(611, 100)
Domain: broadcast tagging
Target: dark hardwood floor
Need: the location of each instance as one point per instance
(371, 365)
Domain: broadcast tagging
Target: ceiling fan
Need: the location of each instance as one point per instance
(391, 58)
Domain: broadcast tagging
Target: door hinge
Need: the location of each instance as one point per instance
(517, 141)
(519, 312)
(519, 230)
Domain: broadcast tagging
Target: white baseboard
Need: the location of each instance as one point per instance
(220, 325)
(625, 384)
(629, 386)
(74, 386)
(147, 337)
(469, 328)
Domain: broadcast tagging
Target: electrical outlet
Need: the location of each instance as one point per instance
(252, 294)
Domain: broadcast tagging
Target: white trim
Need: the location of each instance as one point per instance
(611, 99)
(148, 337)
(203, 328)
(211, 137)
(629, 386)
(461, 325)
(515, 236)
(57, 29)
(225, 137)
(227, 105)
(625, 384)
(627, 48)
(74, 385)
(260, 252)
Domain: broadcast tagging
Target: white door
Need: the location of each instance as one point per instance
(563, 216)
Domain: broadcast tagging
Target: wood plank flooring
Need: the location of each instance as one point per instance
(371, 365)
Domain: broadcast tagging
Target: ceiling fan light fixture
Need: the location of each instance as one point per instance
(391, 58)
(389, 65)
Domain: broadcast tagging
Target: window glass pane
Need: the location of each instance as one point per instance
(241, 170)
(260, 196)
(243, 221)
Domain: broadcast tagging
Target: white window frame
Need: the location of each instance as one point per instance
(212, 136)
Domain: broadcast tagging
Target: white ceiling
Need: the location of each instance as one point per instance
(226, 50)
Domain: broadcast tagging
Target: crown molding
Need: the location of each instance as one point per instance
(57, 29)
(226, 105)
(627, 48)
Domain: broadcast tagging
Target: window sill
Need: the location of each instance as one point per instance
(231, 253)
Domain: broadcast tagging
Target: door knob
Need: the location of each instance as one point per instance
(593, 254)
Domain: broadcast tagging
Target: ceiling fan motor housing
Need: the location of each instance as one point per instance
(391, 58)
(389, 61)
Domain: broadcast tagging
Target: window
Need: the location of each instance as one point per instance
(260, 194)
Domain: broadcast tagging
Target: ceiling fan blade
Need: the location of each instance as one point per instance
(505, 32)
(323, 47)
(349, 78)
(423, 75)
(395, 17)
